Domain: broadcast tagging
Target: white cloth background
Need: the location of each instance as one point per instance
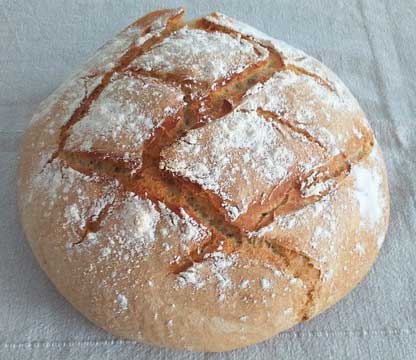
(370, 44)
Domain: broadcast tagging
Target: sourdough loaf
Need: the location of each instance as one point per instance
(202, 186)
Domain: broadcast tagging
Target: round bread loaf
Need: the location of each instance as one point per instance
(202, 186)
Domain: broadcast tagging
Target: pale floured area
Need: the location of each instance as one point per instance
(338, 230)
(85, 80)
(283, 129)
(197, 56)
(124, 117)
(151, 228)
(85, 198)
(309, 106)
(51, 115)
(239, 157)
(69, 96)
(56, 110)
(290, 55)
(371, 192)
(134, 35)
(167, 220)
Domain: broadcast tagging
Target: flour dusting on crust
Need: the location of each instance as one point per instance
(306, 104)
(199, 56)
(369, 192)
(289, 55)
(142, 239)
(124, 116)
(213, 270)
(241, 148)
(134, 35)
(147, 224)
(83, 81)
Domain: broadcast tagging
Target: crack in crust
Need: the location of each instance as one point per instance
(330, 175)
(123, 62)
(272, 116)
(159, 185)
(210, 27)
(93, 223)
(304, 268)
(300, 71)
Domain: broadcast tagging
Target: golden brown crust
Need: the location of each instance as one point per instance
(198, 204)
